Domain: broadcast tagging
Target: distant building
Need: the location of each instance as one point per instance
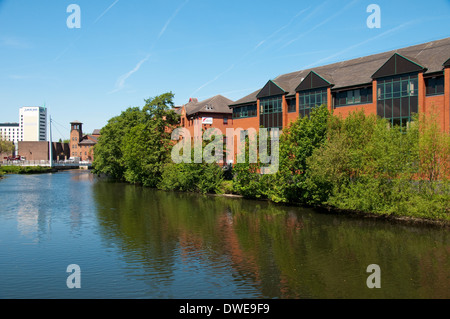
(82, 146)
(33, 123)
(10, 132)
(38, 151)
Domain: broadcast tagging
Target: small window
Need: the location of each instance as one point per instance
(225, 120)
(434, 85)
(291, 104)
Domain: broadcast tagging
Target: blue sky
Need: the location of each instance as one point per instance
(130, 50)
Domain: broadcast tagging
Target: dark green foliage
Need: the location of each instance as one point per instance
(191, 177)
(367, 165)
(297, 143)
(134, 146)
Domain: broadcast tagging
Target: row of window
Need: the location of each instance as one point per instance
(81, 153)
(391, 90)
(244, 111)
(351, 97)
(271, 105)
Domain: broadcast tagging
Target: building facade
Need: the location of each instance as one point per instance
(198, 116)
(10, 132)
(394, 85)
(82, 146)
(33, 123)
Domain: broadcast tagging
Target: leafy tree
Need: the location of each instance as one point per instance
(134, 145)
(297, 144)
(6, 146)
(108, 151)
(146, 146)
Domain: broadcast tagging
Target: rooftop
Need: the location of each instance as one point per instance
(9, 124)
(215, 104)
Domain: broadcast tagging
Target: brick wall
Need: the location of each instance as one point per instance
(34, 151)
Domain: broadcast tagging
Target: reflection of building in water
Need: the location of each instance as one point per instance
(32, 222)
(82, 175)
(27, 222)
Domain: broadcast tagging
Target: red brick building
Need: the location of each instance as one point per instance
(82, 146)
(210, 113)
(393, 85)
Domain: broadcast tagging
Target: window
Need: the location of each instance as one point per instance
(434, 85)
(271, 112)
(351, 97)
(311, 99)
(291, 104)
(271, 105)
(397, 98)
(244, 111)
(225, 120)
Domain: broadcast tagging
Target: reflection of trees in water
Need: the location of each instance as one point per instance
(282, 252)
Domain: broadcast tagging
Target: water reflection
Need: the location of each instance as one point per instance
(133, 242)
(267, 250)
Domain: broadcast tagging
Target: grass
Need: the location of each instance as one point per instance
(24, 170)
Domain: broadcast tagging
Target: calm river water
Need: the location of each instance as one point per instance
(132, 242)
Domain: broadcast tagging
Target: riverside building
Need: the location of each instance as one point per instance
(393, 85)
(214, 112)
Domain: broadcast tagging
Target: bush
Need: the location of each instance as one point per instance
(202, 178)
(297, 144)
(368, 165)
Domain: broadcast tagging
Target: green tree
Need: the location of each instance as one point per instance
(146, 146)
(134, 145)
(109, 149)
(297, 144)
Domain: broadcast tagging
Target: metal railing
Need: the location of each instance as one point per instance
(44, 163)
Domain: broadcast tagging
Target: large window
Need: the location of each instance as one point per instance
(310, 99)
(397, 98)
(271, 112)
(244, 111)
(435, 85)
(351, 97)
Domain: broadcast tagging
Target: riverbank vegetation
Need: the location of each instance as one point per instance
(24, 170)
(360, 163)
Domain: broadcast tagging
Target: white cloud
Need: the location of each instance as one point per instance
(120, 83)
(171, 18)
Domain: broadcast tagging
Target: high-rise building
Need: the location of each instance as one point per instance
(33, 123)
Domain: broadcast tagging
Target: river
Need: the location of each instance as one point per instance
(134, 242)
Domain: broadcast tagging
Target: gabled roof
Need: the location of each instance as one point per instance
(87, 141)
(270, 89)
(428, 56)
(312, 81)
(215, 104)
(397, 64)
(447, 63)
